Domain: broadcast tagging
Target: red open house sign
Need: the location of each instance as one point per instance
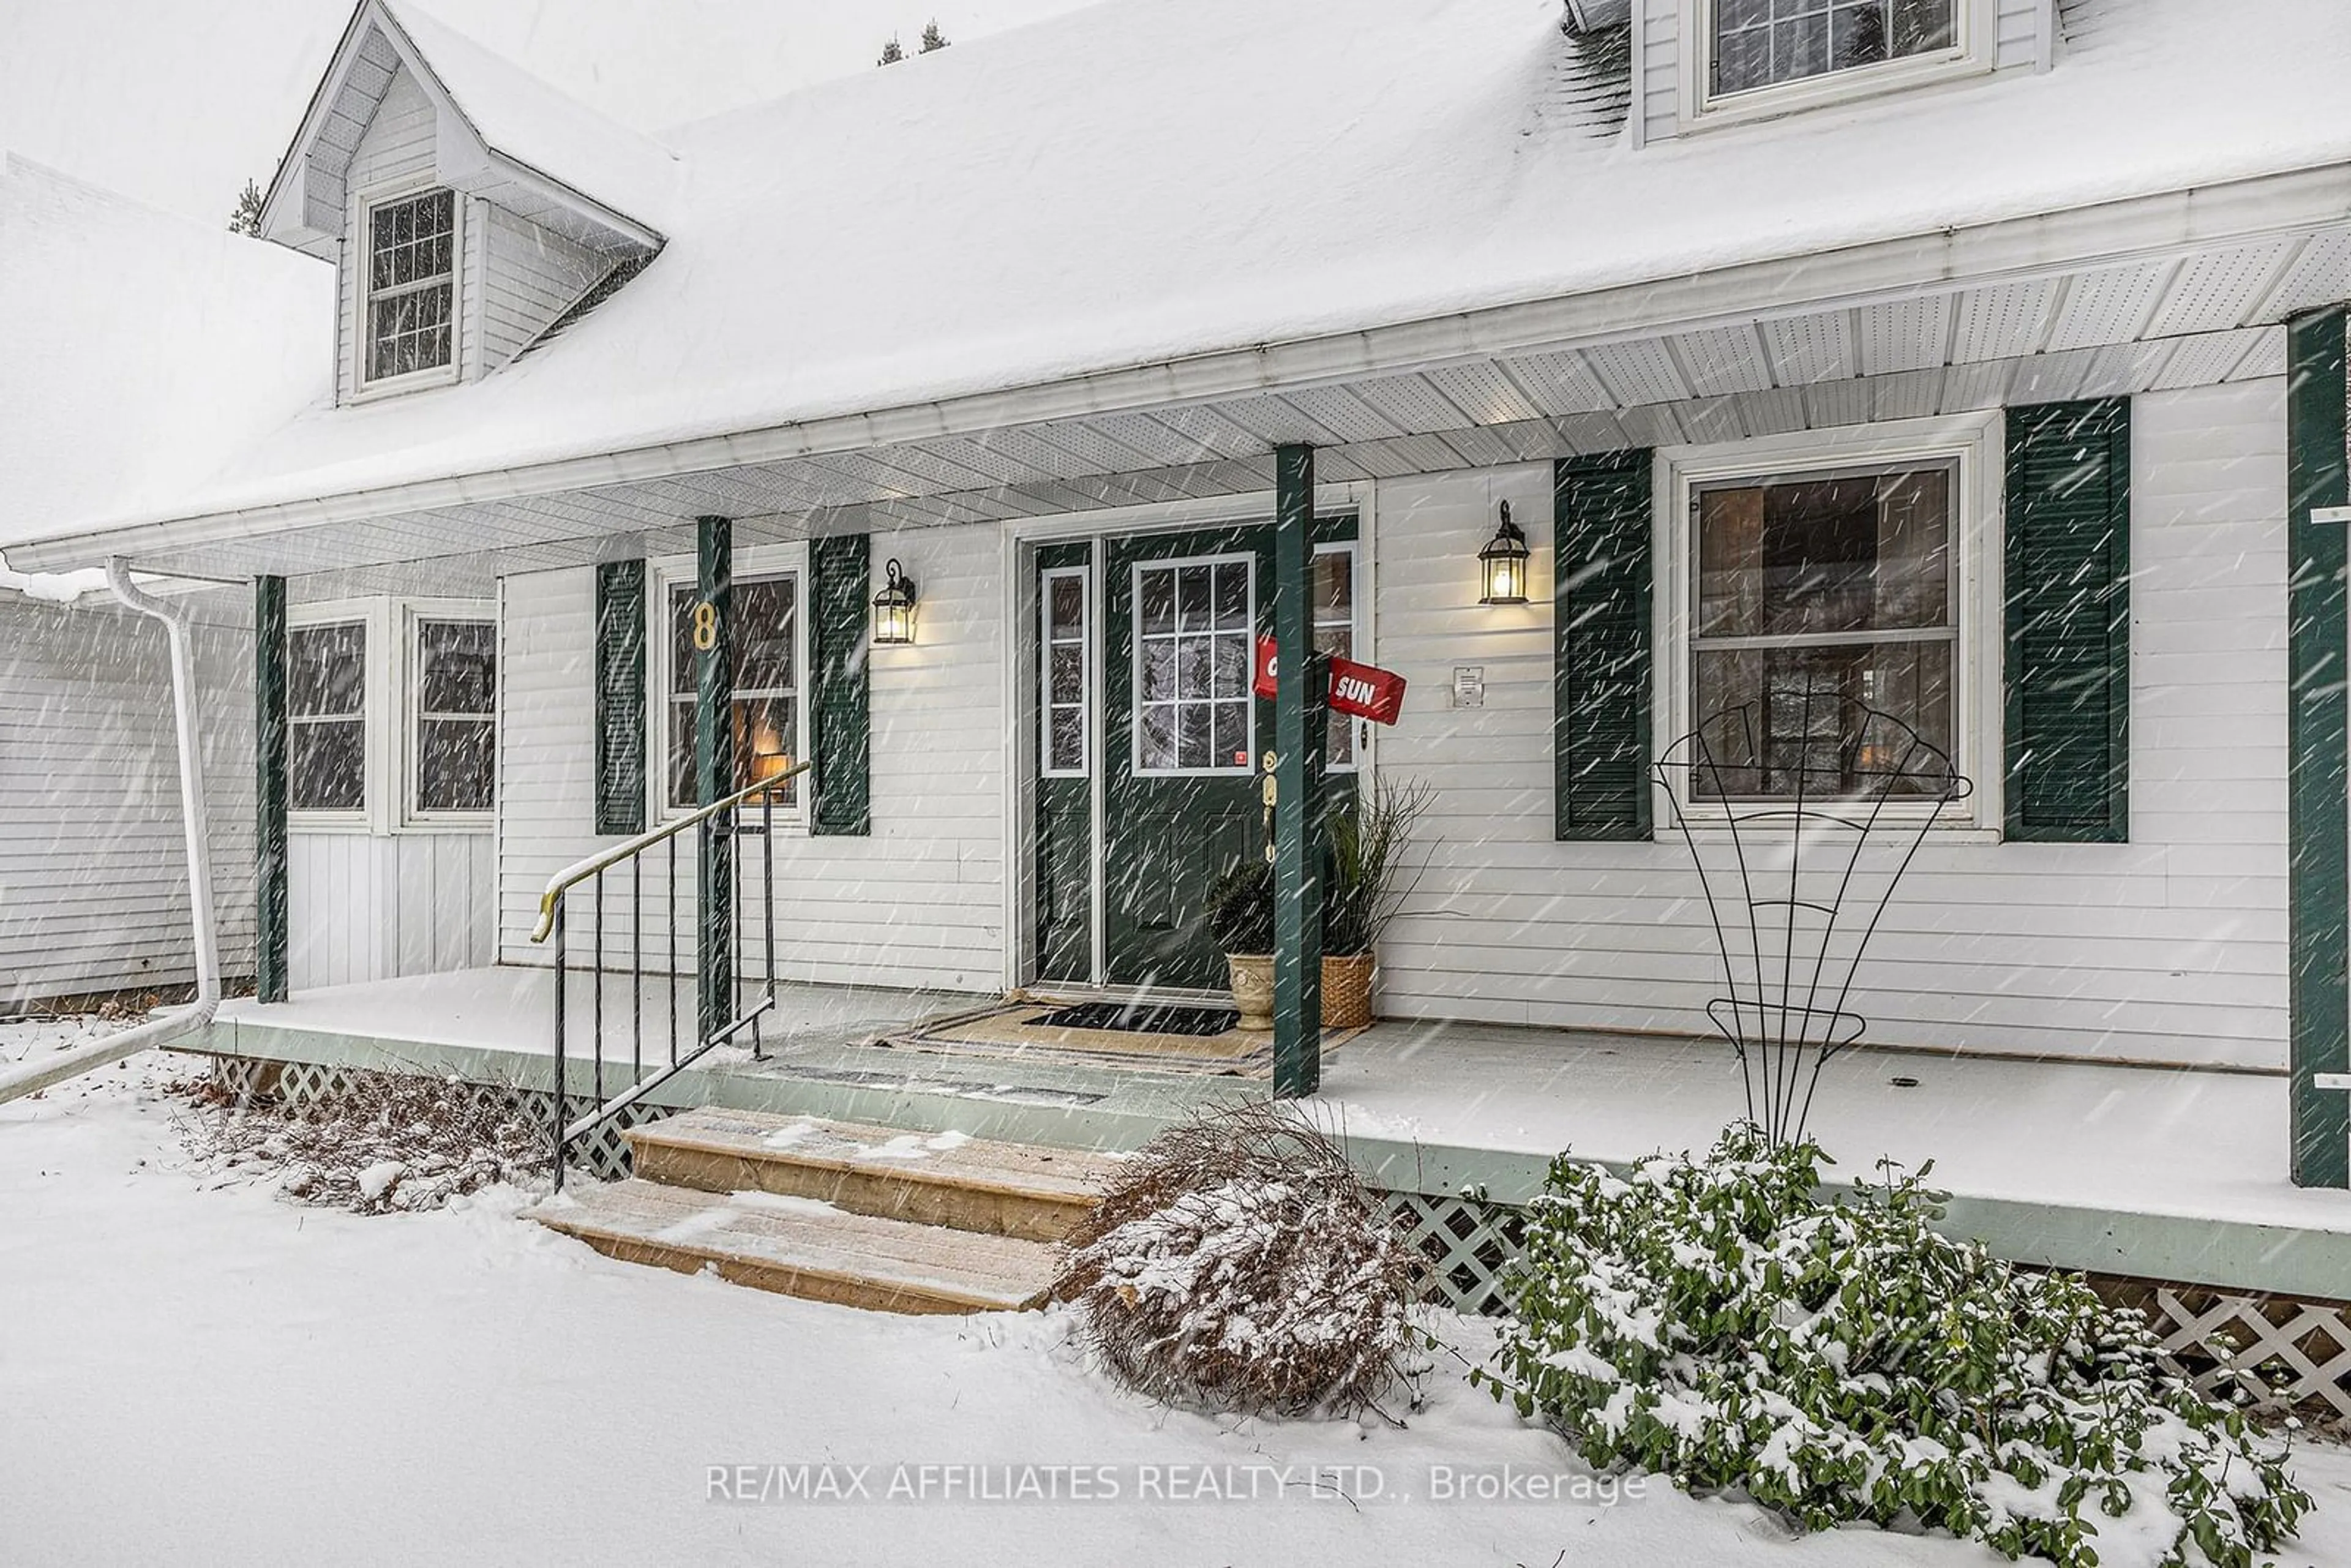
(1362, 690)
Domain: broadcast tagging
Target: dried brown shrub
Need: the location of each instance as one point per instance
(379, 1143)
(1240, 1264)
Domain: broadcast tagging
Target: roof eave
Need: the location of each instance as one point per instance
(2135, 228)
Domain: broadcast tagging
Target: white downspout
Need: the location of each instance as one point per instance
(30, 1076)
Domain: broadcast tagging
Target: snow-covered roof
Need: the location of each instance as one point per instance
(500, 133)
(1150, 180)
(143, 350)
(539, 126)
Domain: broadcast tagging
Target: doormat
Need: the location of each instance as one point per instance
(1129, 1017)
(1022, 1031)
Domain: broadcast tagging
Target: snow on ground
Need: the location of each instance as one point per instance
(194, 1372)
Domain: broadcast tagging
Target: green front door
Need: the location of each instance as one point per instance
(1164, 627)
(1181, 735)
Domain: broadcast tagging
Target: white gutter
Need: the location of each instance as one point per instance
(30, 1076)
(2107, 233)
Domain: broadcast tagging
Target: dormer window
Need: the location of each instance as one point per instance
(410, 311)
(1758, 58)
(1758, 43)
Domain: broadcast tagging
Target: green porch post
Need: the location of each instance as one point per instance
(269, 787)
(2318, 1007)
(714, 765)
(1300, 690)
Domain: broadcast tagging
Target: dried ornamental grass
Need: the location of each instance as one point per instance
(1239, 1263)
(379, 1144)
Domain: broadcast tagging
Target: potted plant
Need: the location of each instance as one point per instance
(1241, 923)
(1366, 885)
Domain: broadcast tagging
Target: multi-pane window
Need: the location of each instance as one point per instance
(1193, 710)
(411, 279)
(1820, 598)
(326, 710)
(1758, 43)
(765, 713)
(1335, 633)
(1063, 696)
(457, 706)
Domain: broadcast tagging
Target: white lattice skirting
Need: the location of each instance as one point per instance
(2284, 1354)
(604, 1154)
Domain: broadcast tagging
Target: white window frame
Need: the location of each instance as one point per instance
(1969, 443)
(374, 615)
(751, 564)
(1135, 660)
(1975, 24)
(1090, 629)
(363, 206)
(1361, 728)
(413, 613)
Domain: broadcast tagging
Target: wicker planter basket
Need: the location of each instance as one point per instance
(1347, 990)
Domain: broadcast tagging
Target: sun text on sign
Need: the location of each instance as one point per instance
(1358, 690)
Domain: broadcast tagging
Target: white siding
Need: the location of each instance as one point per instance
(93, 884)
(1656, 67)
(2020, 33)
(918, 903)
(2172, 947)
(528, 277)
(375, 906)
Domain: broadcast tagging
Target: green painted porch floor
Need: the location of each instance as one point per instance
(2169, 1174)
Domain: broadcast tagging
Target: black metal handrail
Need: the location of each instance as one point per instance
(553, 913)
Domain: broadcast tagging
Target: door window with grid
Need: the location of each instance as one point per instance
(1193, 639)
(765, 713)
(456, 709)
(325, 714)
(1068, 751)
(1761, 43)
(1819, 597)
(410, 285)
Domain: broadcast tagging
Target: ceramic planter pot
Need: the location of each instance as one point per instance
(1347, 990)
(1252, 977)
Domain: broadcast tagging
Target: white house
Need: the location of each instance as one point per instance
(1982, 360)
(93, 894)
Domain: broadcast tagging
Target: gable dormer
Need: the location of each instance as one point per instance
(468, 206)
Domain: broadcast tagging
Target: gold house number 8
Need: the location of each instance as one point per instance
(706, 626)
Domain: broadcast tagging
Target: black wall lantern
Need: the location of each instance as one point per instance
(1503, 563)
(894, 610)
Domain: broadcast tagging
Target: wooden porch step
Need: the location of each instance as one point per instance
(1019, 1190)
(803, 1247)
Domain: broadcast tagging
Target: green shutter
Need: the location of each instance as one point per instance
(2068, 590)
(840, 701)
(1602, 634)
(621, 697)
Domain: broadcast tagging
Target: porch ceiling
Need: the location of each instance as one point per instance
(2193, 317)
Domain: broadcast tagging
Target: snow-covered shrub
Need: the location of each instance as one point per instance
(381, 1143)
(1719, 1321)
(1239, 1263)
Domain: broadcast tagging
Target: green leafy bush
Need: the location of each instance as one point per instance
(1240, 908)
(1717, 1322)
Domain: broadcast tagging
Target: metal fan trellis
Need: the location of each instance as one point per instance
(1800, 834)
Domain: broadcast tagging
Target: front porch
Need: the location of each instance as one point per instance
(2176, 1174)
